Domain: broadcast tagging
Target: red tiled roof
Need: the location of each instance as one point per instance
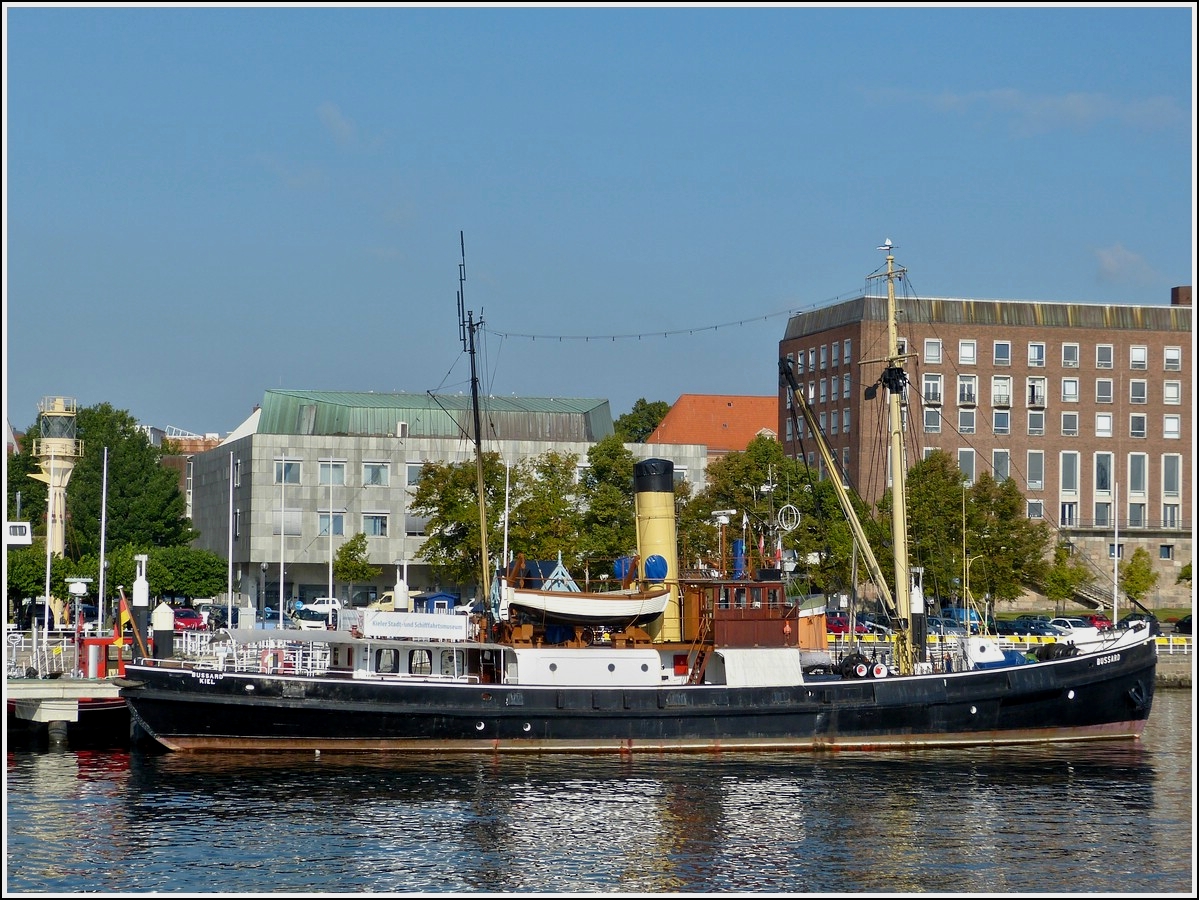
(724, 422)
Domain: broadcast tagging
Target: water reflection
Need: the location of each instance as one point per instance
(1068, 818)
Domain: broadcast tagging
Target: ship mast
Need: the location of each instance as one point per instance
(466, 329)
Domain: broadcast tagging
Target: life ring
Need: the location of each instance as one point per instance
(276, 654)
(879, 671)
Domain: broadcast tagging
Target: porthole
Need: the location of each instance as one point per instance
(526, 727)
(553, 667)
(1069, 695)
(644, 667)
(611, 667)
(974, 710)
(479, 726)
(249, 688)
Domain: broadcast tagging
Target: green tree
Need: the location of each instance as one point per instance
(1137, 577)
(1184, 574)
(350, 562)
(637, 424)
(544, 518)
(144, 505)
(609, 520)
(1064, 576)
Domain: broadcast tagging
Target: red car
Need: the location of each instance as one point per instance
(834, 623)
(1097, 620)
(188, 619)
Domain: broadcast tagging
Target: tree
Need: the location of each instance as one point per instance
(145, 507)
(1184, 574)
(1137, 577)
(637, 424)
(350, 562)
(1064, 576)
(609, 527)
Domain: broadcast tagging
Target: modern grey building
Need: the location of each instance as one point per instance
(310, 469)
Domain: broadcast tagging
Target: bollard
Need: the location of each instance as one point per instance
(93, 661)
(163, 621)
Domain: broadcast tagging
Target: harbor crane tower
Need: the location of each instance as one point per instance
(57, 451)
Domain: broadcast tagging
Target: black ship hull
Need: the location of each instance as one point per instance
(1092, 697)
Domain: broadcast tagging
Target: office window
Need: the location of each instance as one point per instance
(834, 422)
(823, 422)
(1069, 356)
(966, 464)
(967, 353)
(1036, 509)
(1001, 464)
(1171, 426)
(967, 390)
(1103, 515)
(413, 473)
(1165, 551)
(1069, 474)
(845, 355)
(1036, 355)
(845, 386)
(1003, 422)
(332, 473)
(1069, 514)
(932, 351)
(291, 519)
(932, 389)
(1172, 475)
(823, 390)
(1138, 473)
(1069, 390)
(1070, 424)
(845, 420)
(1170, 515)
(1172, 393)
(287, 471)
(374, 524)
(811, 359)
(1037, 389)
(1001, 390)
(1103, 390)
(835, 351)
(799, 363)
(823, 357)
(1103, 356)
(1137, 426)
(1138, 391)
(1138, 357)
(339, 523)
(375, 474)
(1103, 472)
(1036, 470)
(966, 421)
(1036, 422)
(787, 436)
(1114, 551)
(1003, 353)
(1173, 361)
(1103, 424)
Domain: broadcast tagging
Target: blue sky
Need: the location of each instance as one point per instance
(202, 204)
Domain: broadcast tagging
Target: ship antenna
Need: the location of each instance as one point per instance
(467, 326)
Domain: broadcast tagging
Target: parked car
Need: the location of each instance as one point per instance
(944, 627)
(835, 623)
(188, 619)
(306, 617)
(1075, 627)
(1097, 619)
(1183, 625)
(322, 605)
(1155, 627)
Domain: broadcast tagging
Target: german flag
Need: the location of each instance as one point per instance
(123, 618)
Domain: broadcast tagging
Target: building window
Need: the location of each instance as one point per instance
(1171, 426)
(1069, 477)
(1103, 390)
(1001, 464)
(1036, 422)
(823, 357)
(287, 471)
(787, 436)
(1136, 425)
(1103, 473)
(1114, 551)
(376, 474)
(1138, 357)
(967, 353)
(1003, 421)
(413, 473)
(1103, 424)
(845, 386)
(1173, 359)
(823, 422)
(1069, 515)
(966, 464)
(1165, 551)
(966, 421)
(932, 389)
(1036, 355)
(811, 360)
(967, 390)
(823, 390)
(1138, 391)
(1138, 473)
(1170, 515)
(932, 351)
(1103, 515)
(1003, 353)
(799, 363)
(339, 523)
(1069, 356)
(1172, 393)
(1069, 390)
(845, 356)
(1036, 470)
(1070, 424)
(834, 422)
(1036, 509)
(1172, 475)
(835, 349)
(845, 421)
(332, 473)
(1037, 390)
(1001, 390)
(1103, 356)
(374, 524)
(290, 520)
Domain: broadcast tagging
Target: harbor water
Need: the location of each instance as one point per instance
(1114, 818)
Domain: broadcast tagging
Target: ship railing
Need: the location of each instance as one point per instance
(47, 653)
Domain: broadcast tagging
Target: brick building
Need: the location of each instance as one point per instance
(1087, 406)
